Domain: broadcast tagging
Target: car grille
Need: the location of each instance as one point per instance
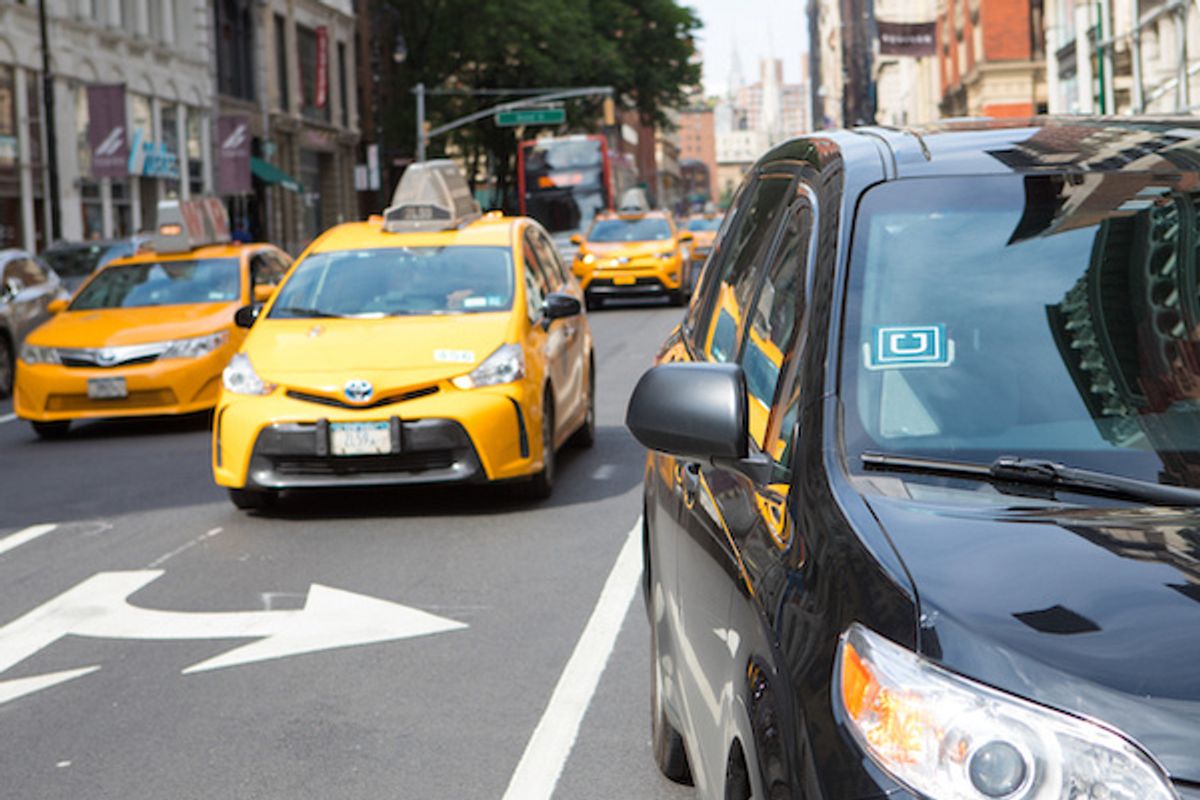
(351, 465)
(109, 357)
(335, 402)
(152, 398)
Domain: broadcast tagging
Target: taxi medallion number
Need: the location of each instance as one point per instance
(107, 389)
(360, 438)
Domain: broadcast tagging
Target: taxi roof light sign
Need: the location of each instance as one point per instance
(184, 225)
(431, 196)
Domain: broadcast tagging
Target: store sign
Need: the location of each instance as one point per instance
(322, 94)
(151, 159)
(914, 39)
(233, 160)
(107, 132)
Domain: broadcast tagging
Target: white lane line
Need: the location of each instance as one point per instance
(7, 418)
(21, 537)
(546, 754)
(604, 472)
(158, 562)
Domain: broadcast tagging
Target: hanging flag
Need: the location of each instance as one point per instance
(322, 94)
(107, 135)
(233, 157)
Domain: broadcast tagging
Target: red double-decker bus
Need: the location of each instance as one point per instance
(564, 181)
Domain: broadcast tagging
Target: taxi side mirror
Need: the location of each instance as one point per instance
(263, 292)
(55, 306)
(559, 305)
(576, 239)
(246, 315)
(11, 288)
(686, 236)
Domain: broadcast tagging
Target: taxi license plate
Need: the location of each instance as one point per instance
(360, 438)
(107, 389)
(624, 280)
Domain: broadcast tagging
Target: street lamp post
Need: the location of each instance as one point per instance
(51, 138)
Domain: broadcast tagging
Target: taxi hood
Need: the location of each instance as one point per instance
(114, 327)
(629, 249)
(423, 349)
(1090, 610)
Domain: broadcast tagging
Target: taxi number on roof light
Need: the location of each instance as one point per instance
(420, 213)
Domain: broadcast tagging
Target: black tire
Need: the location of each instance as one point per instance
(8, 366)
(592, 303)
(585, 436)
(677, 297)
(253, 499)
(669, 753)
(541, 485)
(737, 777)
(51, 430)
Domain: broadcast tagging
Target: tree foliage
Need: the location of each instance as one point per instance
(642, 48)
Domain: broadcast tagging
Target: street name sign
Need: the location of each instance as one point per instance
(531, 116)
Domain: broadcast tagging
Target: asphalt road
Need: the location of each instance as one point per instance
(153, 643)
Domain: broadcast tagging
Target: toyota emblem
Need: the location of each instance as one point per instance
(359, 391)
(106, 358)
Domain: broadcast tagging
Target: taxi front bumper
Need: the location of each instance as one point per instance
(635, 279)
(52, 392)
(282, 442)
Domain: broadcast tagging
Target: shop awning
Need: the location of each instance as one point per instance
(269, 173)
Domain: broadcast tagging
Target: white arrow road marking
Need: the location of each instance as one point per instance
(7, 418)
(11, 690)
(21, 537)
(98, 608)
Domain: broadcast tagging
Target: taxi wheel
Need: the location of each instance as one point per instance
(677, 297)
(667, 743)
(586, 435)
(51, 430)
(6, 367)
(252, 499)
(541, 485)
(593, 303)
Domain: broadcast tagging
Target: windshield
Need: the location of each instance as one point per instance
(1032, 316)
(398, 281)
(704, 224)
(166, 283)
(630, 230)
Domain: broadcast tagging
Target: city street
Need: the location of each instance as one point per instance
(153, 644)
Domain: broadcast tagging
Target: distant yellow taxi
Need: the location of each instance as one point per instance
(151, 333)
(430, 345)
(632, 255)
(703, 228)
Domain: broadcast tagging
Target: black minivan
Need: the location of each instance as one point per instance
(922, 509)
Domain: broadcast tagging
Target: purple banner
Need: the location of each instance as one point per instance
(907, 38)
(107, 135)
(233, 155)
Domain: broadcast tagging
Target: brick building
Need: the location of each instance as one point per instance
(698, 143)
(990, 58)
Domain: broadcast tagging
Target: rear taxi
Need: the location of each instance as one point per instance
(632, 255)
(703, 228)
(430, 345)
(148, 334)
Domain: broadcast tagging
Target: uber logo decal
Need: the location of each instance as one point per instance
(899, 346)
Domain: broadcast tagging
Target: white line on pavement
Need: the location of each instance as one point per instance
(7, 418)
(21, 537)
(604, 472)
(546, 754)
(158, 562)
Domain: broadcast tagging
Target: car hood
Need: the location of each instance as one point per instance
(114, 327)
(703, 238)
(424, 349)
(629, 249)
(1091, 610)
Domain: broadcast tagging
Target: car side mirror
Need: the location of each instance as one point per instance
(12, 288)
(263, 292)
(686, 236)
(576, 239)
(56, 306)
(246, 315)
(559, 305)
(698, 412)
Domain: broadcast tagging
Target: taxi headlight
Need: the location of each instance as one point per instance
(195, 347)
(32, 354)
(945, 736)
(587, 258)
(240, 378)
(505, 365)
(669, 254)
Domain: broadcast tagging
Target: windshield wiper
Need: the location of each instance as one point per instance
(1040, 472)
(298, 311)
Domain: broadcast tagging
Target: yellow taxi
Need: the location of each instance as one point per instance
(703, 228)
(632, 255)
(148, 334)
(430, 345)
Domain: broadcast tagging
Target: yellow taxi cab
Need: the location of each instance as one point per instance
(430, 345)
(148, 334)
(632, 255)
(703, 228)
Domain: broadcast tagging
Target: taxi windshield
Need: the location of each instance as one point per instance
(164, 283)
(398, 281)
(1052, 317)
(704, 224)
(630, 230)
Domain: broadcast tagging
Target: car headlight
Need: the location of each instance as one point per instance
(240, 378)
(587, 258)
(670, 254)
(505, 365)
(195, 347)
(32, 354)
(946, 736)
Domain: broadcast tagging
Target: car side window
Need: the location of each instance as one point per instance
(745, 248)
(536, 286)
(548, 255)
(776, 314)
(265, 270)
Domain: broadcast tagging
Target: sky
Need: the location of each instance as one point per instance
(759, 29)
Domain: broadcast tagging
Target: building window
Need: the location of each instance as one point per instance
(235, 48)
(195, 151)
(281, 63)
(341, 57)
(314, 74)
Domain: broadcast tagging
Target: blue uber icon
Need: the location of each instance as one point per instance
(898, 346)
